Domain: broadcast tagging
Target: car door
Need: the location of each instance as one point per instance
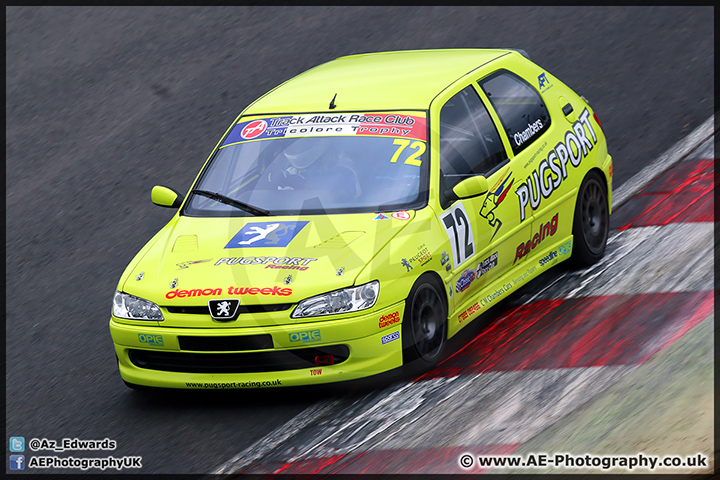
(470, 145)
(526, 123)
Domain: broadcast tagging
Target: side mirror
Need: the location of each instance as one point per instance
(166, 197)
(471, 187)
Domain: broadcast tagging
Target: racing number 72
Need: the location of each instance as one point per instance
(459, 232)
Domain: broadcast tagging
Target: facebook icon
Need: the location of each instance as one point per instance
(17, 462)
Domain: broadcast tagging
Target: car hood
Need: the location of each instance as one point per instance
(261, 260)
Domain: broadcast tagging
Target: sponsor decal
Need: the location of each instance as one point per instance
(253, 129)
(553, 170)
(375, 124)
(389, 319)
(469, 311)
(543, 83)
(390, 338)
(525, 135)
(565, 248)
(444, 258)
(464, 281)
(184, 265)
(522, 277)
(401, 215)
(448, 267)
(285, 263)
(224, 310)
(381, 216)
(154, 340)
(459, 232)
(546, 230)
(198, 292)
(173, 284)
(539, 151)
(548, 258)
(315, 371)
(140, 276)
(496, 294)
(486, 265)
(340, 271)
(494, 198)
(422, 257)
(207, 292)
(283, 292)
(450, 290)
(266, 234)
(309, 336)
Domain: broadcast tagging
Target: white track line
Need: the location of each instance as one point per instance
(674, 155)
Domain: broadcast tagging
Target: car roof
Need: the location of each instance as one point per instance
(397, 80)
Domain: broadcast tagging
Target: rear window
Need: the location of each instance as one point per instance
(521, 110)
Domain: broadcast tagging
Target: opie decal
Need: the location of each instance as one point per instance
(266, 234)
(551, 171)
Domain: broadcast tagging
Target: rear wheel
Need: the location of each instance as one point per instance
(591, 223)
(424, 328)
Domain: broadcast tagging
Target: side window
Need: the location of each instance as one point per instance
(519, 106)
(469, 142)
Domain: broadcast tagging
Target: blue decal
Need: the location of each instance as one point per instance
(306, 337)
(564, 249)
(257, 130)
(381, 216)
(266, 234)
(151, 339)
(389, 338)
(465, 280)
(541, 80)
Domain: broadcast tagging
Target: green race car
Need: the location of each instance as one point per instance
(357, 216)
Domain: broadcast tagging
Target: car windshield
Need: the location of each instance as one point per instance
(338, 163)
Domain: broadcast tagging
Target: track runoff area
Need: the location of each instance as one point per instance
(551, 355)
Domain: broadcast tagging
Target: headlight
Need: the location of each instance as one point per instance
(346, 300)
(134, 308)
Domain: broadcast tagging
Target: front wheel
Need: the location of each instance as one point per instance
(424, 324)
(591, 223)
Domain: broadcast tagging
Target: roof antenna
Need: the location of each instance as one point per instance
(332, 102)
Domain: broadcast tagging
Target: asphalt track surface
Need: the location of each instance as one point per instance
(104, 103)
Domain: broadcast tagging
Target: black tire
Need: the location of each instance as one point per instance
(424, 327)
(591, 223)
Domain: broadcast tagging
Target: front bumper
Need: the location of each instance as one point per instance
(252, 357)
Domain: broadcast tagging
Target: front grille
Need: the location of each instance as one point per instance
(226, 344)
(246, 362)
(203, 310)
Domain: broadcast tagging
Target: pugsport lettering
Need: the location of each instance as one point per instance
(551, 171)
(295, 263)
(207, 292)
(546, 230)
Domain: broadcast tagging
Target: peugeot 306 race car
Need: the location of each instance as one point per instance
(357, 216)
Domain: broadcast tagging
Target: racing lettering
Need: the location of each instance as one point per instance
(546, 230)
(550, 172)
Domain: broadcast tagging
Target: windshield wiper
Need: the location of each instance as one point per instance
(232, 202)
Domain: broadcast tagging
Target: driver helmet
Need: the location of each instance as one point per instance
(303, 152)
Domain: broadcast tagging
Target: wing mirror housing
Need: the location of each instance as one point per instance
(166, 197)
(471, 187)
